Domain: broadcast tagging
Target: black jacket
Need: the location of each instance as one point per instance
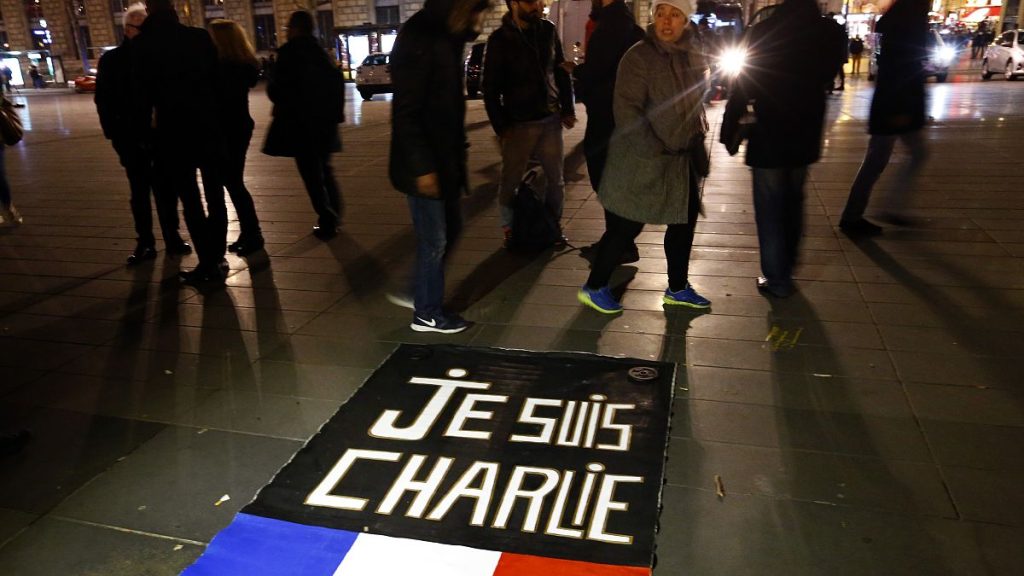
(173, 78)
(307, 104)
(428, 110)
(234, 80)
(616, 32)
(515, 81)
(898, 103)
(114, 93)
(790, 62)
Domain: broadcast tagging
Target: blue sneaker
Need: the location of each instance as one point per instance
(444, 324)
(600, 300)
(686, 297)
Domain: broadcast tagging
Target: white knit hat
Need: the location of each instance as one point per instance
(685, 6)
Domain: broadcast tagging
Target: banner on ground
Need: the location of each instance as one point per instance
(456, 461)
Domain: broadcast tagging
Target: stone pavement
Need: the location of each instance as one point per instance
(871, 424)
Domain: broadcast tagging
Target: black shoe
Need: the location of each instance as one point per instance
(140, 255)
(200, 276)
(13, 443)
(180, 249)
(859, 227)
(778, 291)
(248, 245)
(325, 233)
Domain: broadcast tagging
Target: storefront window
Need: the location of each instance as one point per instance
(265, 31)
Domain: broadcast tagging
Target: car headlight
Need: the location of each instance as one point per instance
(732, 61)
(945, 54)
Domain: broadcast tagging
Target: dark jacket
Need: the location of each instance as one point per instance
(428, 109)
(615, 33)
(173, 78)
(307, 104)
(515, 77)
(114, 92)
(898, 104)
(789, 64)
(234, 80)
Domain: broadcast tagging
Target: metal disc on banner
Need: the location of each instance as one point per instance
(643, 374)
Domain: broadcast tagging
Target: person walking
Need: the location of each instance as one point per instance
(237, 73)
(174, 116)
(616, 31)
(897, 113)
(9, 215)
(308, 95)
(657, 155)
(787, 64)
(427, 160)
(114, 105)
(856, 54)
(528, 97)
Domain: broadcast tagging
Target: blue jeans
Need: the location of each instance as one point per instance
(540, 140)
(779, 213)
(875, 160)
(438, 224)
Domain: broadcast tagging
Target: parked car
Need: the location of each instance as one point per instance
(86, 83)
(474, 69)
(1005, 56)
(940, 56)
(373, 76)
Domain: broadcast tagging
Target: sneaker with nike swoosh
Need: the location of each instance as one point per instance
(443, 324)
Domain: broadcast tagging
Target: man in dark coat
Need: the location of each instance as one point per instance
(174, 109)
(308, 95)
(428, 143)
(113, 103)
(897, 113)
(789, 63)
(528, 96)
(616, 32)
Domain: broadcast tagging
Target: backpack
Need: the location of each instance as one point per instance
(534, 226)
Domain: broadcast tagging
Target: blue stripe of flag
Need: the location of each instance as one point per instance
(258, 546)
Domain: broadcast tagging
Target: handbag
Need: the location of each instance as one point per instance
(11, 129)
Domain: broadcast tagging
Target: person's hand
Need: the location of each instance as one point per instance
(427, 185)
(568, 66)
(568, 121)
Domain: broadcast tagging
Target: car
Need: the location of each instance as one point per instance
(474, 69)
(373, 76)
(85, 83)
(1005, 56)
(940, 56)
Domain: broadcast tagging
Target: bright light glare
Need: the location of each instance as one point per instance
(946, 54)
(732, 60)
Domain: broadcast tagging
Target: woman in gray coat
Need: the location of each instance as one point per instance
(656, 154)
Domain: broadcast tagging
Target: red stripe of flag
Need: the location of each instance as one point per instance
(523, 565)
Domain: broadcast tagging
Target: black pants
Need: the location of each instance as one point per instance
(318, 176)
(138, 166)
(620, 233)
(175, 173)
(233, 153)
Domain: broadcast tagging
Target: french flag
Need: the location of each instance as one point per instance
(257, 546)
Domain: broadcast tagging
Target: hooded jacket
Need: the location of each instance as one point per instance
(515, 81)
(789, 63)
(428, 109)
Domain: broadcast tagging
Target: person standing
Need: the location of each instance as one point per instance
(897, 113)
(427, 160)
(174, 114)
(308, 95)
(657, 155)
(616, 32)
(9, 215)
(7, 76)
(856, 53)
(114, 106)
(528, 97)
(787, 65)
(238, 71)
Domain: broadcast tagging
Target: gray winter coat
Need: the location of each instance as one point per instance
(659, 120)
